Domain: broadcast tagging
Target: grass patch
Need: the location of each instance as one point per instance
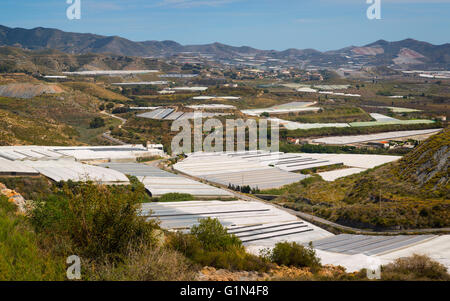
(335, 114)
(176, 197)
(21, 257)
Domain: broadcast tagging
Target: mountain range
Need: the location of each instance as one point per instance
(407, 53)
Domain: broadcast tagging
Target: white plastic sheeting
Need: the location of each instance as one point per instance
(355, 252)
(159, 186)
(80, 153)
(29, 153)
(8, 167)
(65, 170)
(110, 72)
(356, 160)
(211, 107)
(159, 182)
(109, 153)
(283, 109)
(292, 125)
(239, 169)
(330, 176)
(381, 117)
(265, 170)
(256, 224)
(341, 140)
(216, 97)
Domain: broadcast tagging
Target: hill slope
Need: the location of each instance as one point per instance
(428, 165)
(48, 61)
(411, 193)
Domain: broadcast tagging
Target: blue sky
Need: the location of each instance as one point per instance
(264, 24)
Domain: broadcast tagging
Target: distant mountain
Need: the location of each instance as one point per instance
(80, 43)
(407, 53)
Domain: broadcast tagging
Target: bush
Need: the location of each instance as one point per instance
(213, 236)
(120, 110)
(186, 244)
(97, 122)
(293, 254)
(416, 267)
(98, 221)
(209, 244)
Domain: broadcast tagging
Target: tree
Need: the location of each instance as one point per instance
(213, 236)
(97, 122)
(120, 110)
(293, 254)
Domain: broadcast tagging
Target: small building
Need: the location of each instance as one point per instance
(379, 144)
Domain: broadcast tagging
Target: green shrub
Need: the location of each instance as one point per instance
(186, 244)
(176, 197)
(97, 122)
(209, 244)
(98, 220)
(213, 236)
(120, 110)
(293, 254)
(21, 259)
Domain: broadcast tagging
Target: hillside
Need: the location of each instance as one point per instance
(48, 61)
(28, 90)
(53, 119)
(406, 53)
(428, 165)
(18, 130)
(411, 193)
(95, 90)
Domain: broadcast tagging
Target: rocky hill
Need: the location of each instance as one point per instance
(428, 165)
(409, 194)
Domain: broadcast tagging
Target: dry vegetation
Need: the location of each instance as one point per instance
(95, 90)
(412, 193)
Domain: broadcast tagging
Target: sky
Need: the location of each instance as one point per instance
(263, 24)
